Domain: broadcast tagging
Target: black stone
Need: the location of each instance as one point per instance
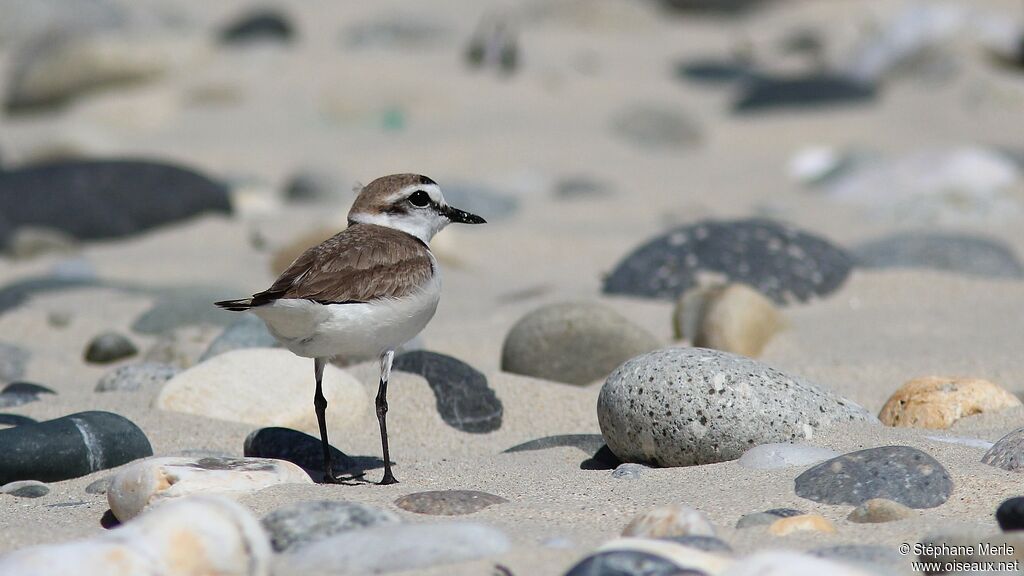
(109, 347)
(763, 93)
(1010, 514)
(628, 563)
(96, 199)
(778, 260)
(15, 420)
(963, 253)
(18, 393)
(464, 400)
(589, 443)
(69, 447)
(258, 26)
(304, 451)
(898, 473)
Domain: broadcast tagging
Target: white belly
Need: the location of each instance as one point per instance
(351, 331)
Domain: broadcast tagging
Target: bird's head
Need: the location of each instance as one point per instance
(408, 202)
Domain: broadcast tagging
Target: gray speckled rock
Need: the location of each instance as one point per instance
(302, 523)
(13, 360)
(109, 347)
(685, 406)
(448, 502)
(136, 376)
(247, 332)
(777, 260)
(575, 343)
(966, 254)
(1007, 453)
(899, 473)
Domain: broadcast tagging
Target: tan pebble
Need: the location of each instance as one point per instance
(734, 318)
(937, 402)
(669, 521)
(804, 523)
(878, 510)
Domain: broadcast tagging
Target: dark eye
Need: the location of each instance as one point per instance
(419, 198)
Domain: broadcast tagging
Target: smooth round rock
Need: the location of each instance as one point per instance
(961, 253)
(448, 502)
(779, 261)
(937, 402)
(1010, 514)
(464, 400)
(899, 473)
(99, 486)
(734, 318)
(628, 563)
(301, 523)
(685, 406)
(800, 93)
(133, 377)
(109, 347)
(801, 523)
(69, 447)
(575, 343)
(878, 510)
(628, 471)
(1008, 452)
(260, 25)
(766, 517)
(784, 455)
(25, 489)
(246, 332)
(669, 521)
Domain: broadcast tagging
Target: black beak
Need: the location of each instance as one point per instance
(461, 216)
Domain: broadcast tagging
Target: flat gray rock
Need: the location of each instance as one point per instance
(685, 406)
(448, 502)
(899, 473)
(26, 489)
(961, 253)
(299, 524)
(136, 376)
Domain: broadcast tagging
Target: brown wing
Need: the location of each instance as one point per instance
(362, 263)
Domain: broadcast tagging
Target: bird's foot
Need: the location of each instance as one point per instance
(389, 478)
(330, 478)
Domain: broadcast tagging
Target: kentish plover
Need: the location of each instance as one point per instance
(365, 291)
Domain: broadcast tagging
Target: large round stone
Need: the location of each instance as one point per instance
(575, 343)
(684, 406)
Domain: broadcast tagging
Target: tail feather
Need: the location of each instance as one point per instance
(240, 305)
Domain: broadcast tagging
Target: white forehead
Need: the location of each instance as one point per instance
(432, 190)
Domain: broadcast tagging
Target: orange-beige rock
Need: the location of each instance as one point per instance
(804, 523)
(669, 521)
(938, 402)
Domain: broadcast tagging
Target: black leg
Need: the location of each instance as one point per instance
(320, 404)
(382, 411)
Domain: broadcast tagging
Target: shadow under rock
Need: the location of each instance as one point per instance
(602, 458)
(306, 452)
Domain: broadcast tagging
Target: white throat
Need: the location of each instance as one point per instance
(420, 226)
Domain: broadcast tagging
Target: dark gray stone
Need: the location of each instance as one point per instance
(99, 199)
(448, 502)
(262, 25)
(779, 261)
(464, 400)
(588, 443)
(13, 360)
(966, 254)
(651, 126)
(766, 517)
(1007, 453)
(15, 420)
(247, 332)
(26, 489)
(19, 393)
(296, 525)
(898, 473)
(185, 306)
(685, 406)
(109, 347)
(70, 447)
(1010, 514)
(628, 563)
(304, 451)
(136, 376)
(765, 93)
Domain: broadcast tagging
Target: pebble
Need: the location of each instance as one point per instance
(185, 306)
(790, 563)
(192, 537)
(464, 400)
(766, 517)
(878, 510)
(628, 471)
(734, 318)
(937, 402)
(685, 406)
(1007, 453)
(247, 332)
(95, 199)
(300, 524)
(140, 376)
(574, 343)
(301, 449)
(264, 387)
(448, 502)
(13, 361)
(394, 547)
(109, 347)
(899, 473)
(99, 486)
(669, 521)
(25, 489)
(961, 253)
(807, 92)
(69, 447)
(782, 262)
(261, 25)
(784, 455)
(1010, 514)
(802, 523)
(18, 393)
(314, 186)
(156, 481)
(655, 126)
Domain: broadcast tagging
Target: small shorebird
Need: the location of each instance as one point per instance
(363, 292)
